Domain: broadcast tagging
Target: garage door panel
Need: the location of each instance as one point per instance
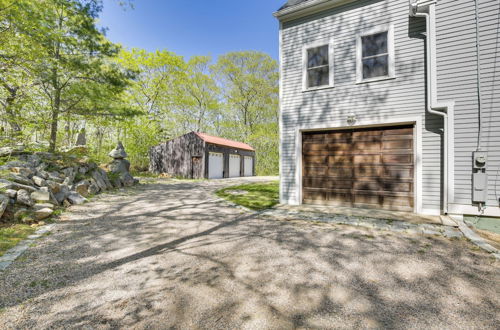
(365, 168)
(367, 159)
(322, 182)
(397, 159)
(315, 160)
(397, 144)
(383, 186)
(339, 171)
(315, 171)
(339, 160)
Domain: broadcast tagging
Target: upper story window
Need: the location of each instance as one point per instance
(375, 54)
(318, 65)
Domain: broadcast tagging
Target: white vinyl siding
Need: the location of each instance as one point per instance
(383, 100)
(457, 80)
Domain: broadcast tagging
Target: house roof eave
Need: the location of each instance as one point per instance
(307, 8)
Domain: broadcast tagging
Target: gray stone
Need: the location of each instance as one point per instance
(82, 188)
(39, 181)
(41, 196)
(39, 206)
(97, 176)
(118, 152)
(11, 193)
(20, 179)
(4, 202)
(42, 214)
(119, 166)
(83, 169)
(93, 188)
(62, 194)
(53, 186)
(42, 174)
(23, 171)
(11, 151)
(105, 177)
(75, 198)
(56, 177)
(6, 184)
(24, 198)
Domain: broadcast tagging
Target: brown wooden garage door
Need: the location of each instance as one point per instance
(370, 167)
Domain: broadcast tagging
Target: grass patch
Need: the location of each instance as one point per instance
(12, 234)
(258, 196)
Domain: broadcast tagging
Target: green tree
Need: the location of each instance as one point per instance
(75, 70)
(250, 85)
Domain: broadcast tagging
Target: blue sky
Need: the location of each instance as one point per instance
(194, 27)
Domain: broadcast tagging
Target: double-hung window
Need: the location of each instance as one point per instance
(375, 54)
(318, 65)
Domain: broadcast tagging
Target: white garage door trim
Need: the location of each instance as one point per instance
(234, 166)
(215, 165)
(296, 199)
(248, 166)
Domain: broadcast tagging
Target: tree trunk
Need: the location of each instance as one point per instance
(11, 116)
(54, 121)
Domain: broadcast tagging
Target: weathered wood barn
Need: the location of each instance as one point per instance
(198, 155)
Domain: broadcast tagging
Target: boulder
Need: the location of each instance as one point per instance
(23, 171)
(62, 194)
(105, 177)
(6, 184)
(118, 152)
(97, 176)
(119, 166)
(20, 179)
(55, 177)
(53, 186)
(42, 174)
(39, 206)
(24, 198)
(41, 214)
(11, 193)
(11, 151)
(75, 198)
(93, 188)
(82, 188)
(39, 181)
(4, 202)
(41, 196)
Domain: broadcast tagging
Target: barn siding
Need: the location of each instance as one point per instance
(175, 157)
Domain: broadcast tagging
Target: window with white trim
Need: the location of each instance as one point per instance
(375, 54)
(318, 65)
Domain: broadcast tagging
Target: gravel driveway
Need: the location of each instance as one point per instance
(172, 255)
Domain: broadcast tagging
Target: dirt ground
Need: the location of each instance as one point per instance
(172, 255)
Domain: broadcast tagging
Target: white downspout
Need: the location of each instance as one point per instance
(427, 10)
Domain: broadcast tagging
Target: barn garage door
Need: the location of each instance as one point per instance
(215, 165)
(248, 166)
(234, 166)
(370, 168)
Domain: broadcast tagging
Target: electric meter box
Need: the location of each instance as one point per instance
(480, 159)
(480, 187)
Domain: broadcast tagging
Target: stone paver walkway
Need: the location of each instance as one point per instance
(173, 255)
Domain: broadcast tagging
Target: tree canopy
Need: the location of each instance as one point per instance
(60, 75)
